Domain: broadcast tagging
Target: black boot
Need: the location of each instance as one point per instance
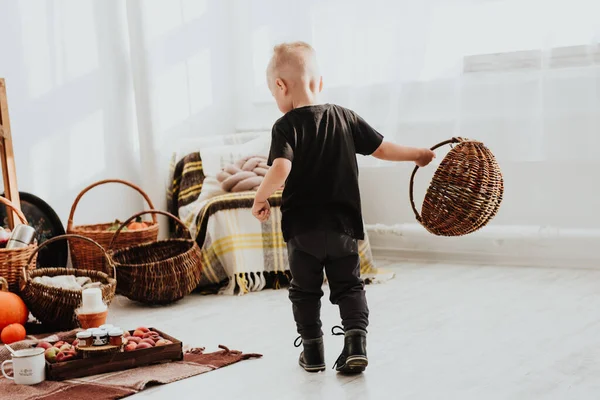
(312, 359)
(353, 359)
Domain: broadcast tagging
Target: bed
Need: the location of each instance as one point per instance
(239, 254)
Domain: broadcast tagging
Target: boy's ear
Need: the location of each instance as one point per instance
(320, 84)
(280, 84)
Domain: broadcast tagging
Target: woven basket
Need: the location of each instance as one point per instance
(55, 307)
(465, 192)
(85, 255)
(158, 272)
(12, 261)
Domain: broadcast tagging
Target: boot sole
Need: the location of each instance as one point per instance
(313, 368)
(354, 365)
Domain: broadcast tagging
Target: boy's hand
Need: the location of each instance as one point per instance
(261, 210)
(424, 158)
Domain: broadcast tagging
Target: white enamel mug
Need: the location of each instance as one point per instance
(29, 366)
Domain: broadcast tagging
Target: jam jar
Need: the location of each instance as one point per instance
(85, 339)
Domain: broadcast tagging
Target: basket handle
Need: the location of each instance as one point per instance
(10, 205)
(63, 237)
(3, 285)
(154, 212)
(102, 182)
(412, 176)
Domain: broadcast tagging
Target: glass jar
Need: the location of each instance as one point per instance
(106, 327)
(85, 339)
(115, 337)
(100, 337)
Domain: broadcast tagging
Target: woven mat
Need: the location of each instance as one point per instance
(116, 385)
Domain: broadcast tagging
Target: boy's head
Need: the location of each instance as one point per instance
(293, 74)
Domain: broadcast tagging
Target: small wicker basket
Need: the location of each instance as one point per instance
(159, 272)
(12, 261)
(55, 307)
(465, 192)
(85, 255)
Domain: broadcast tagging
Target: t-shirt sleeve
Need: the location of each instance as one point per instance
(280, 145)
(366, 138)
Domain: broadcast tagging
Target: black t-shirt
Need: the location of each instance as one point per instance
(321, 192)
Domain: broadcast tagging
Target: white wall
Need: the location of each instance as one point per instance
(100, 89)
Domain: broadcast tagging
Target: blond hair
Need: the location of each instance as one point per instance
(294, 62)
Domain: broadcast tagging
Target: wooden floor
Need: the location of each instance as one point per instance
(437, 332)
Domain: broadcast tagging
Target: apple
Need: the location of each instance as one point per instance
(44, 345)
(51, 354)
(65, 347)
(143, 329)
(130, 346)
(143, 345)
(138, 333)
(149, 341)
(59, 344)
(64, 356)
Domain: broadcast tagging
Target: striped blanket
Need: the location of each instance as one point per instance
(240, 254)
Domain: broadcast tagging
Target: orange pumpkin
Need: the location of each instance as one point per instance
(13, 333)
(12, 308)
(137, 224)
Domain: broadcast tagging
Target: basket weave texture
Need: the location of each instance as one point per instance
(85, 255)
(159, 272)
(56, 307)
(12, 261)
(465, 192)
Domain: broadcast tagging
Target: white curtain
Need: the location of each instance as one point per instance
(523, 76)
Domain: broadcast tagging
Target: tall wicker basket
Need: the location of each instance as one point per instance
(12, 261)
(465, 192)
(85, 255)
(159, 272)
(55, 307)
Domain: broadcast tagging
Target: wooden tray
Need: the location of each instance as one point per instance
(116, 361)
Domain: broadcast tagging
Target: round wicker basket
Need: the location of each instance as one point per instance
(465, 192)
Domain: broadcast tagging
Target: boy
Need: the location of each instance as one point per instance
(313, 151)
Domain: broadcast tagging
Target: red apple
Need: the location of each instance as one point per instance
(44, 345)
(51, 354)
(130, 346)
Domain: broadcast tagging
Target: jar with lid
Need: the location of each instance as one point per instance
(100, 337)
(85, 339)
(115, 337)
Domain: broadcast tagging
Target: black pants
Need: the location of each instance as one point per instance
(338, 253)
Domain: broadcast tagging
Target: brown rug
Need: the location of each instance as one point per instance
(116, 385)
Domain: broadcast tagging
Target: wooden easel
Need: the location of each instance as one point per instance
(7, 158)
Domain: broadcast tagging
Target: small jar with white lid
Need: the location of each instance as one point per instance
(115, 337)
(85, 339)
(100, 337)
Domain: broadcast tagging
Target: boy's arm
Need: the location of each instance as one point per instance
(393, 152)
(274, 180)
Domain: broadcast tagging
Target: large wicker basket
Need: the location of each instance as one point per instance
(85, 255)
(12, 261)
(159, 272)
(465, 192)
(55, 307)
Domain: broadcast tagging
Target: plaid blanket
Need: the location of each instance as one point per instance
(240, 254)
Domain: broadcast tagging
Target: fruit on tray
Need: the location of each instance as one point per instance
(137, 224)
(12, 310)
(144, 338)
(13, 333)
(59, 351)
